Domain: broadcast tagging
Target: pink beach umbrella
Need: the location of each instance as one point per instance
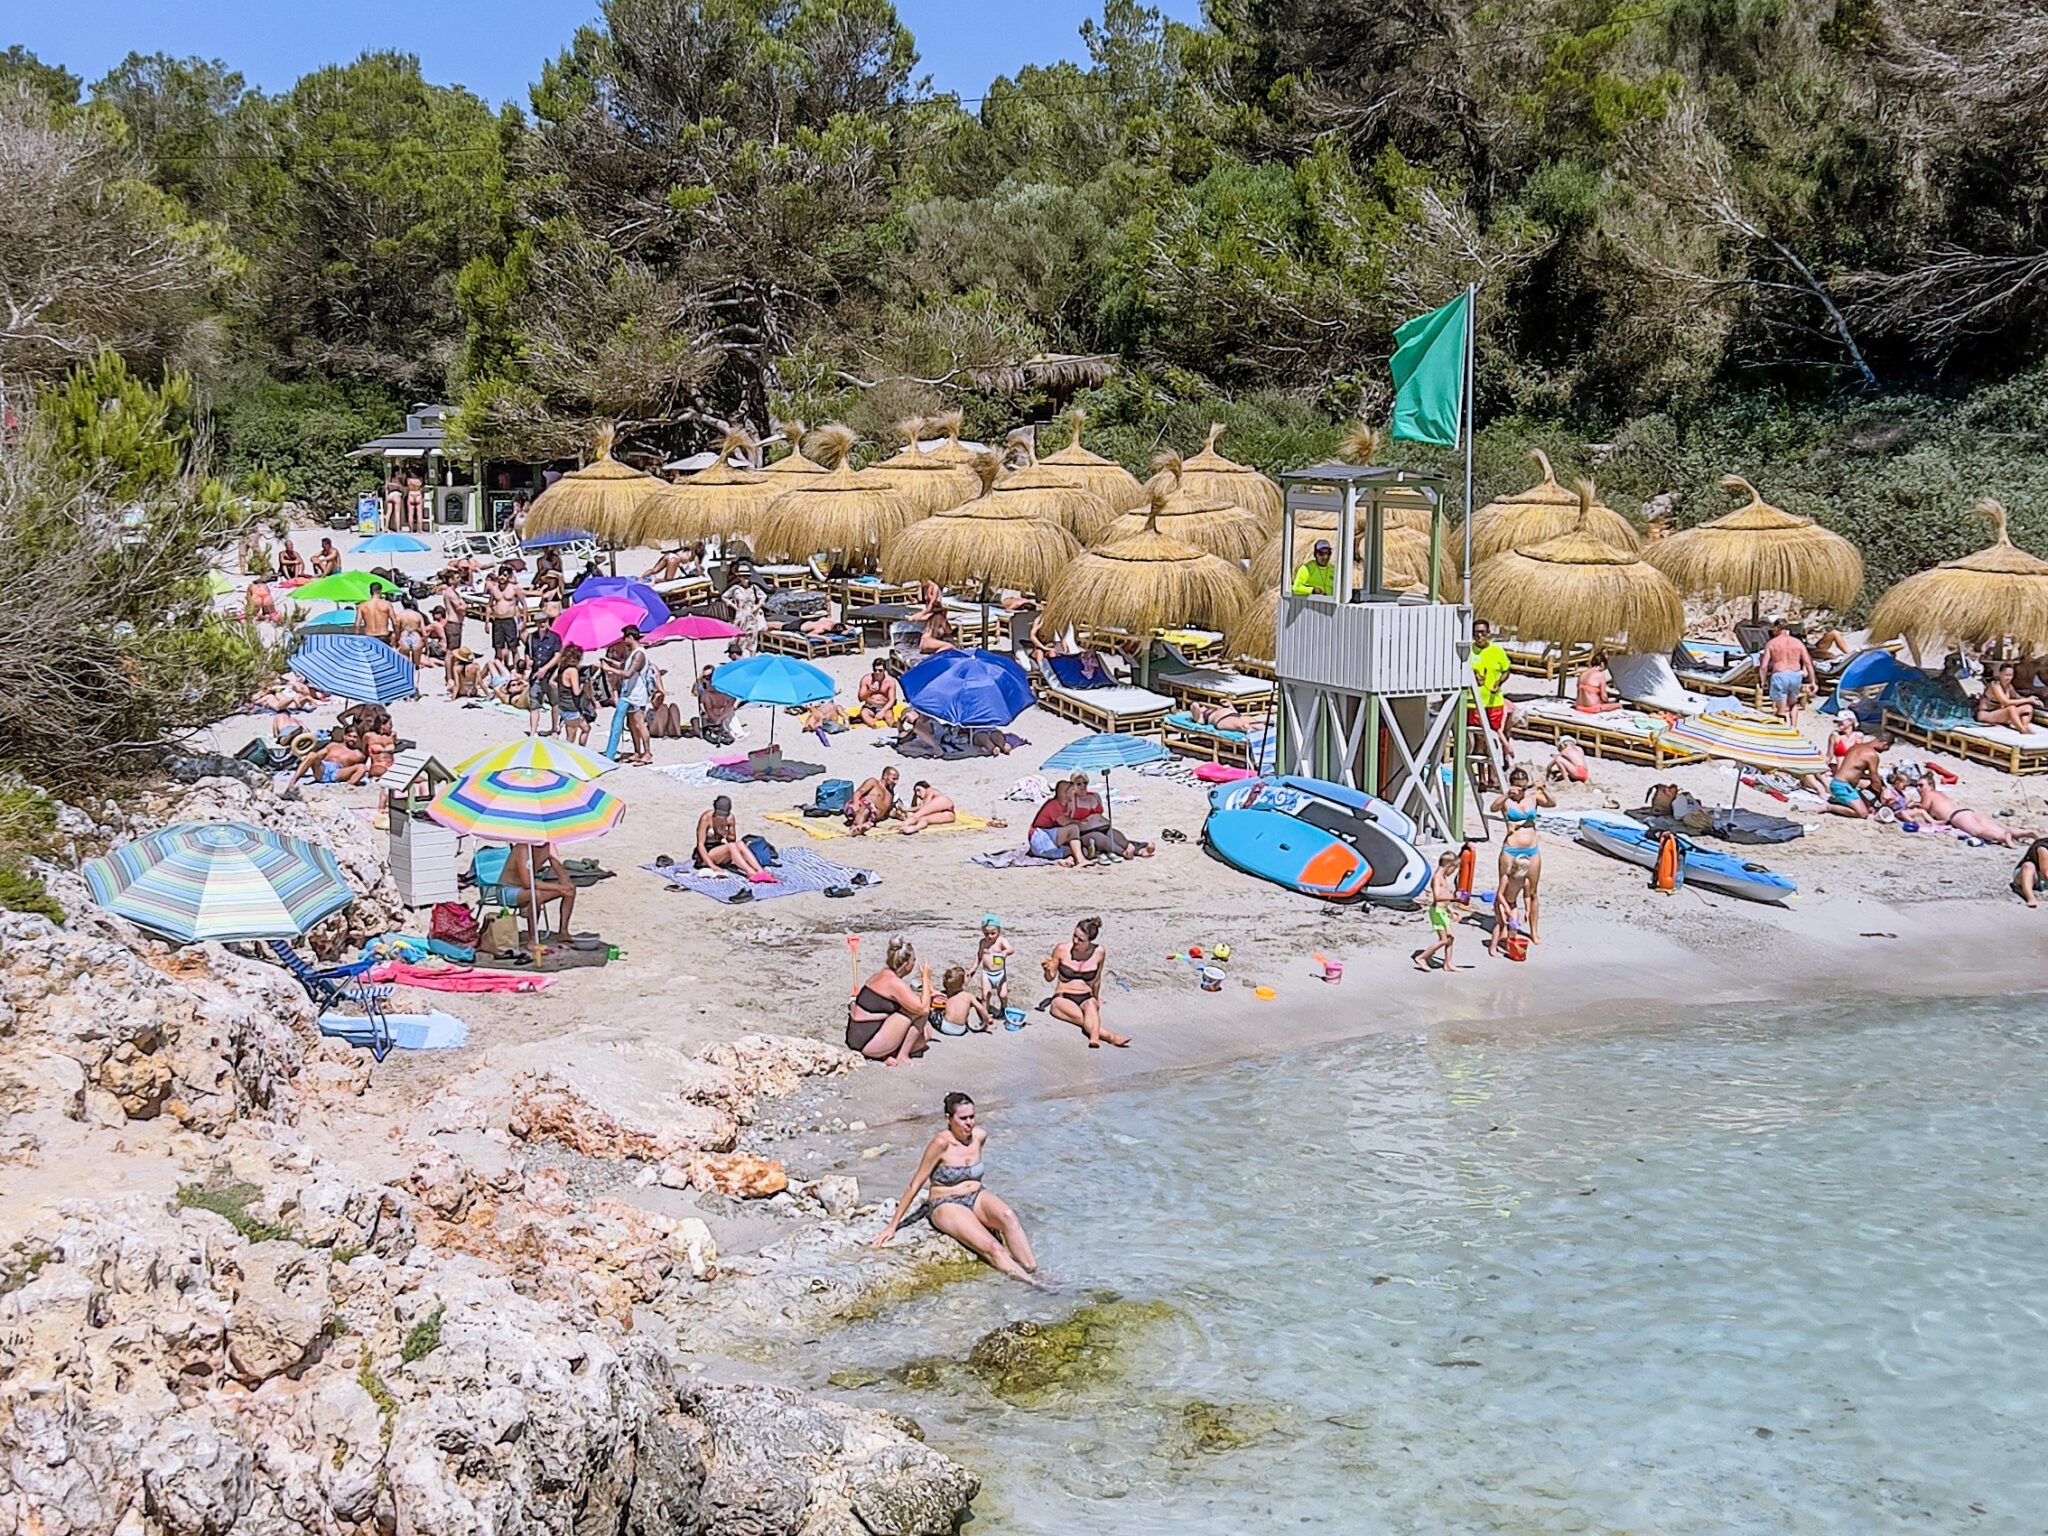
(692, 627)
(597, 623)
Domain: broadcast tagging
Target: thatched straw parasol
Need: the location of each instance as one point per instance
(603, 498)
(1146, 582)
(1998, 593)
(992, 542)
(1576, 588)
(1221, 527)
(839, 512)
(1052, 497)
(927, 482)
(1208, 473)
(1108, 479)
(718, 502)
(1254, 634)
(1540, 514)
(1759, 548)
(793, 462)
(952, 451)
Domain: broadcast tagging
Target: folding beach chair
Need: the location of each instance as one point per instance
(337, 987)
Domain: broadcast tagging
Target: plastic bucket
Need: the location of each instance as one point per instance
(1333, 970)
(1212, 979)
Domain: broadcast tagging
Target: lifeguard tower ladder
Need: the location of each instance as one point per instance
(1373, 685)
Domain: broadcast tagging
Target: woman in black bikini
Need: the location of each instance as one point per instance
(959, 1205)
(885, 1022)
(1076, 971)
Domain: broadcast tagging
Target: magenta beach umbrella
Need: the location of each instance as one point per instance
(597, 623)
(692, 627)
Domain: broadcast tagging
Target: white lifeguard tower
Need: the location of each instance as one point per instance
(1373, 685)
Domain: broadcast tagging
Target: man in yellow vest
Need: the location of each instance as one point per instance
(1490, 667)
(1318, 578)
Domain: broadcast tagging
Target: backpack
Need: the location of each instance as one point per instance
(763, 851)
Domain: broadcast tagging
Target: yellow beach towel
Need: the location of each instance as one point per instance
(825, 828)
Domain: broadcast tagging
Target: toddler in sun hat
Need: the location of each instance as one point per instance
(991, 964)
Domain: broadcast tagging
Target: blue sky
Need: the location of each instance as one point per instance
(492, 46)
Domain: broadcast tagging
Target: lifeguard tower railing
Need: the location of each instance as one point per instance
(1372, 684)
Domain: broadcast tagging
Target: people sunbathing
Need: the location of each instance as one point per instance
(2002, 703)
(1857, 779)
(880, 700)
(1595, 694)
(1924, 797)
(1225, 717)
(928, 808)
(873, 803)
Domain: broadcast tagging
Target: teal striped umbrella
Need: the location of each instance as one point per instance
(219, 880)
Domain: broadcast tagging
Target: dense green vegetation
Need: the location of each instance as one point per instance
(1799, 239)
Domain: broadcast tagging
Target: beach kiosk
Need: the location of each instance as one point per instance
(1372, 685)
(425, 863)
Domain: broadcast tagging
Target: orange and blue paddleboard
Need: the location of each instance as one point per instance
(1277, 847)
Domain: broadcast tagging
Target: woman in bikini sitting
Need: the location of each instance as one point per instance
(720, 846)
(886, 1019)
(1521, 852)
(291, 565)
(1595, 695)
(959, 1205)
(1076, 970)
(2003, 704)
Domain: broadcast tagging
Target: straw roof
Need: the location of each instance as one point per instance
(1146, 582)
(793, 462)
(718, 502)
(992, 541)
(1052, 497)
(1108, 479)
(1760, 548)
(1998, 593)
(927, 482)
(1255, 632)
(1208, 473)
(1576, 588)
(1207, 522)
(604, 498)
(838, 512)
(951, 452)
(1541, 513)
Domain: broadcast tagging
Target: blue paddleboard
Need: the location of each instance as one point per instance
(1275, 846)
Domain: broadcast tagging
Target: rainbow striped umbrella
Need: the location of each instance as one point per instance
(526, 805)
(219, 880)
(1757, 741)
(536, 752)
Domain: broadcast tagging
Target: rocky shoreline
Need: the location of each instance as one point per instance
(233, 1300)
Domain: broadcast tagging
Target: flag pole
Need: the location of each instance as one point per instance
(1471, 305)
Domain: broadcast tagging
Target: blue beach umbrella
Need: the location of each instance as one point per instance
(559, 538)
(334, 618)
(974, 689)
(219, 880)
(1103, 751)
(390, 544)
(775, 680)
(626, 589)
(355, 667)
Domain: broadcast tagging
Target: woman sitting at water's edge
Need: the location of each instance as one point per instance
(959, 1205)
(885, 1021)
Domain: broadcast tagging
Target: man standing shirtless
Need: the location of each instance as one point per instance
(374, 616)
(502, 591)
(1788, 666)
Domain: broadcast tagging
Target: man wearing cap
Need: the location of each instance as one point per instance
(1318, 578)
(1490, 668)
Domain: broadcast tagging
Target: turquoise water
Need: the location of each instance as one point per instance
(1785, 1275)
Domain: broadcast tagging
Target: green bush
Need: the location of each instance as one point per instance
(301, 430)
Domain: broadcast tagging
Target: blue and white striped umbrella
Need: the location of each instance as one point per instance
(355, 667)
(219, 880)
(1106, 750)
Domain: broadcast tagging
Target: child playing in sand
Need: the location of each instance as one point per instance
(959, 1007)
(1443, 896)
(991, 964)
(1508, 910)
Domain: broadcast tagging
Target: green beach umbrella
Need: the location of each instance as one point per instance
(343, 587)
(219, 880)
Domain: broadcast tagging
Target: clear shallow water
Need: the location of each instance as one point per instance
(1783, 1276)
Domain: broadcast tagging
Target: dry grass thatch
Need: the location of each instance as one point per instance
(1143, 583)
(1208, 473)
(1052, 497)
(603, 498)
(793, 462)
(1254, 634)
(718, 502)
(1221, 527)
(1998, 593)
(1759, 548)
(1075, 465)
(1578, 588)
(991, 542)
(927, 482)
(840, 512)
(1543, 512)
(952, 452)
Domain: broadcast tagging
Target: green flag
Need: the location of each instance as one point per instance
(1429, 374)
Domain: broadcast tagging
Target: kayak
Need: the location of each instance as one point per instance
(1383, 836)
(1716, 871)
(1287, 851)
(1289, 792)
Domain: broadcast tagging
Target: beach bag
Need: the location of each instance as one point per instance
(452, 923)
(763, 851)
(500, 935)
(834, 795)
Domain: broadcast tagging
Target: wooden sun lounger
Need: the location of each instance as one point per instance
(1599, 736)
(1167, 669)
(1995, 746)
(684, 591)
(1549, 661)
(1239, 749)
(1742, 682)
(792, 642)
(1126, 711)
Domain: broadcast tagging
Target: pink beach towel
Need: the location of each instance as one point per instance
(455, 979)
